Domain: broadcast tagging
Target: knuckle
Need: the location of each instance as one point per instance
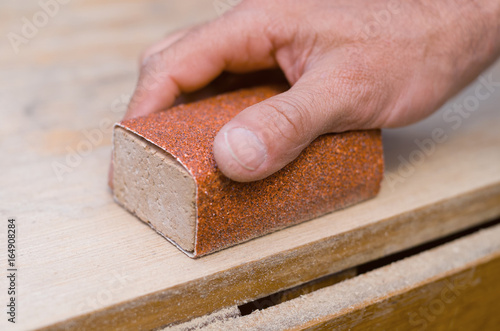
(146, 55)
(143, 56)
(361, 93)
(155, 71)
(152, 65)
(289, 118)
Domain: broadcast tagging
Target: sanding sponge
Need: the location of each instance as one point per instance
(165, 173)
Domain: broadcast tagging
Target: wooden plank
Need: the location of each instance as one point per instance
(86, 263)
(263, 303)
(452, 287)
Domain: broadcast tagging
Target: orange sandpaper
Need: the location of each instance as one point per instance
(335, 171)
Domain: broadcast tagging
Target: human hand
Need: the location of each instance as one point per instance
(352, 64)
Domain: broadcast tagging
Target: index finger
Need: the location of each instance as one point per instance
(236, 43)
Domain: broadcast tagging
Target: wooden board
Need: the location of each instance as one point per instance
(85, 262)
(451, 287)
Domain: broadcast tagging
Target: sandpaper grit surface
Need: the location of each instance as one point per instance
(335, 171)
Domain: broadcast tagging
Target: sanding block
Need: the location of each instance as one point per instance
(165, 174)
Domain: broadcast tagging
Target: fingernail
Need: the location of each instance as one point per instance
(245, 148)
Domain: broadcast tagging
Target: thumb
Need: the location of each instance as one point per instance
(265, 137)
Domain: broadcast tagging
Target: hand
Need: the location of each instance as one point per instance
(352, 64)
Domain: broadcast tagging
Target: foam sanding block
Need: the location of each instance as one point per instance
(165, 174)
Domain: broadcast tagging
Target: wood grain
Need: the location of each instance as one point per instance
(86, 263)
(451, 287)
